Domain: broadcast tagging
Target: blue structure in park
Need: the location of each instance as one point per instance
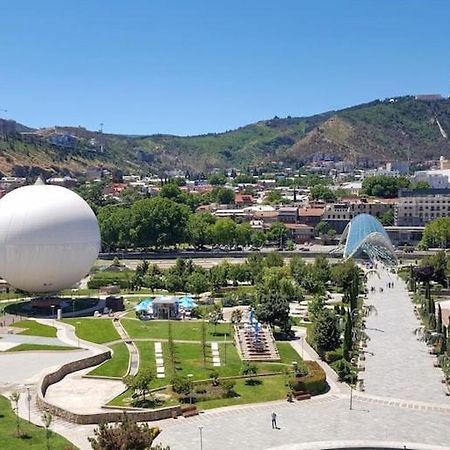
(365, 238)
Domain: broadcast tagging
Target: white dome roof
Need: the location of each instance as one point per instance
(49, 238)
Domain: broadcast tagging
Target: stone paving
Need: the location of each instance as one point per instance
(401, 366)
(325, 418)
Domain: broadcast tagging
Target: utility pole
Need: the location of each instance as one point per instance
(101, 137)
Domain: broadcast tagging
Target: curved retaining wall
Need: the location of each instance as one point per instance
(107, 416)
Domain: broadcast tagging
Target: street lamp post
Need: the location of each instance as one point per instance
(351, 397)
(200, 428)
(190, 375)
(78, 337)
(29, 404)
(225, 347)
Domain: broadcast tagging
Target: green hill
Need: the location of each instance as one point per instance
(397, 128)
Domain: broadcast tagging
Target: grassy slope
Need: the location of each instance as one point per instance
(40, 347)
(116, 366)
(35, 329)
(36, 435)
(381, 129)
(94, 330)
(190, 330)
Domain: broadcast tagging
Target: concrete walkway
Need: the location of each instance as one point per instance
(401, 366)
(133, 352)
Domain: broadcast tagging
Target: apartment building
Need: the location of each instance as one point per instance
(338, 215)
(418, 207)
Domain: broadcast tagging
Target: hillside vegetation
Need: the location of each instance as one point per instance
(381, 130)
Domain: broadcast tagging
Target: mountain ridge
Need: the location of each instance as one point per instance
(376, 131)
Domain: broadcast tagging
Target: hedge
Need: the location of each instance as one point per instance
(333, 355)
(314, 383)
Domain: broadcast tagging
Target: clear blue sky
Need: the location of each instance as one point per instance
(196, 66)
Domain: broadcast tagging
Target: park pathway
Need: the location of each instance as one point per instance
(401, 366)
(133, 364)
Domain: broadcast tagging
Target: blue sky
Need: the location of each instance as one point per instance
(196, 66)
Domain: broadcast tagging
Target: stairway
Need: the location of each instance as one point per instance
(259, 347)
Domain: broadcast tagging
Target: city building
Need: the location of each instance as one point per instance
(418, 207)
(338, 215)
(288, 214)
(311, 215)
(300, 233)
(437, 179)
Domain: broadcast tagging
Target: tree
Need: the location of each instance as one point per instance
(315, 307)
(326, 335)
(199, 229)
(47, 419)
(115, 225)
(249, 370)
(198, 282)
(272, 299)
(203, 341)
(15, 397)
(236, 316)
(243, 234)
(383, 186)
(223, 196)
(321, 192)
(127, 435)
(258, 239)
(140, 383)
(437, 233)
(277, 232)
(171, 191)
(274, 259)
(439, 320)
(224, 231)
(159, 222)
(217, 179)
(273, 197)
(348, 336)
(387, 219)
(215, 317)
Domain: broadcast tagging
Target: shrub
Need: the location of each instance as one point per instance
(228, 387)
(333, 355)
(180, 385)
(229, 300)
(314, 383)
(345, 371)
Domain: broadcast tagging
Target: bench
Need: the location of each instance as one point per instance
(190, 412)
(301, 395)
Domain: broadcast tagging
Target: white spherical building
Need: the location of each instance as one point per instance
(49, 238)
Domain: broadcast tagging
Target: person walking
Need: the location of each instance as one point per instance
(274, 420)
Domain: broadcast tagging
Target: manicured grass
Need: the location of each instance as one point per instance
(40, 347)
(94, 330)
(34, 436)
(185, 331)
(189, 360)
(116, 366)
(287, 353)
(271, 388)
(34, 328)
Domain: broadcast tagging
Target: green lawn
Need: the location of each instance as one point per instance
(40, 347)
(189, 360)
(34, 436)
(186, 331)
(34, 328)
(94, 330)
(271, 388)
(116, 366)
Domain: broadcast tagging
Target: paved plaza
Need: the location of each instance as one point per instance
(403, 406)
(401, 366)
